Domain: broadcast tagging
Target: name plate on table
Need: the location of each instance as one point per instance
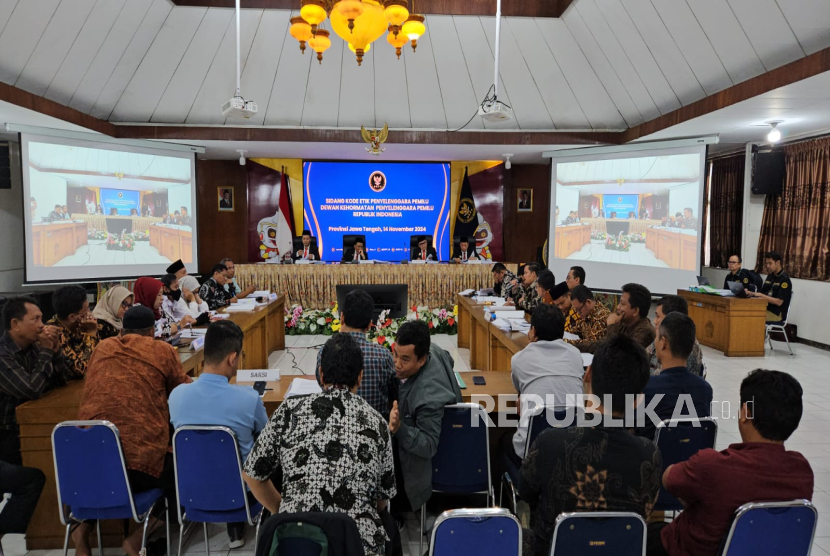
(197, 343)
(366, 261)
(257, 375)
(418, 261)
(302, 261)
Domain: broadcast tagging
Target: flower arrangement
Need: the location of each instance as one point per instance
(439, 321)
(596, 235)
(620, 243)
(122, 242)
(638, 238)
(142, 236)
(94, 233)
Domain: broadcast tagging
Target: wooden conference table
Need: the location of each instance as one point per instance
(490, 347)
(734, 326)
(173, 242)
(264, 329)
(570, 239)
(676, 248)
(53, 241)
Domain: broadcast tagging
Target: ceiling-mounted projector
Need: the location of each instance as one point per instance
(494, 111)
(238, 106)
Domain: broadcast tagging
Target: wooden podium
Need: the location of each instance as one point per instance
(732, 325)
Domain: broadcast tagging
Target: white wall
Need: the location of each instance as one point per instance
(11, 227)
(684, 196)
(567, 199)
(178, 197)
(810, 297)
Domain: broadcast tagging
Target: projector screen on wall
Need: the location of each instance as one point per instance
(386, 203)
(628, 215)
(103, 209)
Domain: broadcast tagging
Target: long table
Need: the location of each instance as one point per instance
(491, 349)
(264, 330)
(570, 239)
(53, 241)
(635, 226)
(99, 221)
(675, 248)
(314, 286)
(173, 242)
(728, 324)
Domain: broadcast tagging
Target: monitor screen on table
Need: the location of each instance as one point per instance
(628, 215)
(385, 202)
(102, 209)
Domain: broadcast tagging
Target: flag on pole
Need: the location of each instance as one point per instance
(466, 220)
(276, 232)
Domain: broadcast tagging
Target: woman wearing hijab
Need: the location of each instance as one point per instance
(190, 292)
(110, 309)
(149, 292)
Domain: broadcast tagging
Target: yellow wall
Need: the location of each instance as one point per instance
(294, 168)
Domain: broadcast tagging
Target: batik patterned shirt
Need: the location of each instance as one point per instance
(528, 299)
(694, 363)
(572, 321)
(586, 469)
(77, 347)
(592, 328)
(214, 295)
(335, 453)
(506, 286)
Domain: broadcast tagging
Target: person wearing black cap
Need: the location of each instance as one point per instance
(562, 298)
(465, 251)
(309, 252)
(424, 251)
(177, 269)
(128, 381)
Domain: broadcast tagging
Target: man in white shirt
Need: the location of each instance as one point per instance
(548, 369)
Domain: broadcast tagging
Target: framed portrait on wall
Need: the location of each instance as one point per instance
(525, 200)
(226, 200)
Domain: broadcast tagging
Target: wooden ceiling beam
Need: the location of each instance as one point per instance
(218, 133)
(518, 8)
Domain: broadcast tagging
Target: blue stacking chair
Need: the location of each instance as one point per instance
(771, 529)
(599, 534)
(484, 532)
(678, 440)
(462, 463)
(91, 479)
(209, 484)
(540, 419)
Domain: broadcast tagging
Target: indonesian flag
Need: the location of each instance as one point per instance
(285, 224)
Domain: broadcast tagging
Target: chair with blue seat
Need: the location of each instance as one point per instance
(678, 440)
(772, 528)
(91, 479)
(599, 534)
(209, 483)
(540, 419)
(484, 532)
(462, 463)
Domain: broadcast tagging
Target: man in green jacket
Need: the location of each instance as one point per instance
(427, 385)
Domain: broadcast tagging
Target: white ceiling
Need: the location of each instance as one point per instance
(606, 64)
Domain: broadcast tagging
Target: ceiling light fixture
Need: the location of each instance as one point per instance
(507, 163)
(359, 23)
(774, 134)
(241, 157)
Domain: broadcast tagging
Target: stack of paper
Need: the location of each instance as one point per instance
(259, 293)
(572, 337)
(241, 307)
(467, 292)
(303, 386)
(509, 313)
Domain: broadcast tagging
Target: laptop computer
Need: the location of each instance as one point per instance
(737, 288)
(702, 281)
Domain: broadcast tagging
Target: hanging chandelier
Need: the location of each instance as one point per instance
(358, 22)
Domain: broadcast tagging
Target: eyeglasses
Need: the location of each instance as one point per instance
(126, 305)
(734, 262)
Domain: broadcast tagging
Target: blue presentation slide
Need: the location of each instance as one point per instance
(384, 202)
(119, 199)
(622, 205)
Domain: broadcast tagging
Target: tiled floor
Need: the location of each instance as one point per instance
(809, 365)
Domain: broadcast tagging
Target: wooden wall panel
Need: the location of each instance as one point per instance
(524, 232)
(221, 234)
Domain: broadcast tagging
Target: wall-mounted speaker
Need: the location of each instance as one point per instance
(768, 172)
(5, 167)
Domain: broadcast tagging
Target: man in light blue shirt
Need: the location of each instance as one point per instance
(211, 400)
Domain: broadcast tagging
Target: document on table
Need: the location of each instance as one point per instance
(569, 336)
(193, 332)
(241, 307)
(259, 293)
(587, 359)
(467, 292)
(303, 386)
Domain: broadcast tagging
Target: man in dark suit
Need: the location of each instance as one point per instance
(424, 251)
(464, 252)
(309, 252)
(357, 252)
(675, 342)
